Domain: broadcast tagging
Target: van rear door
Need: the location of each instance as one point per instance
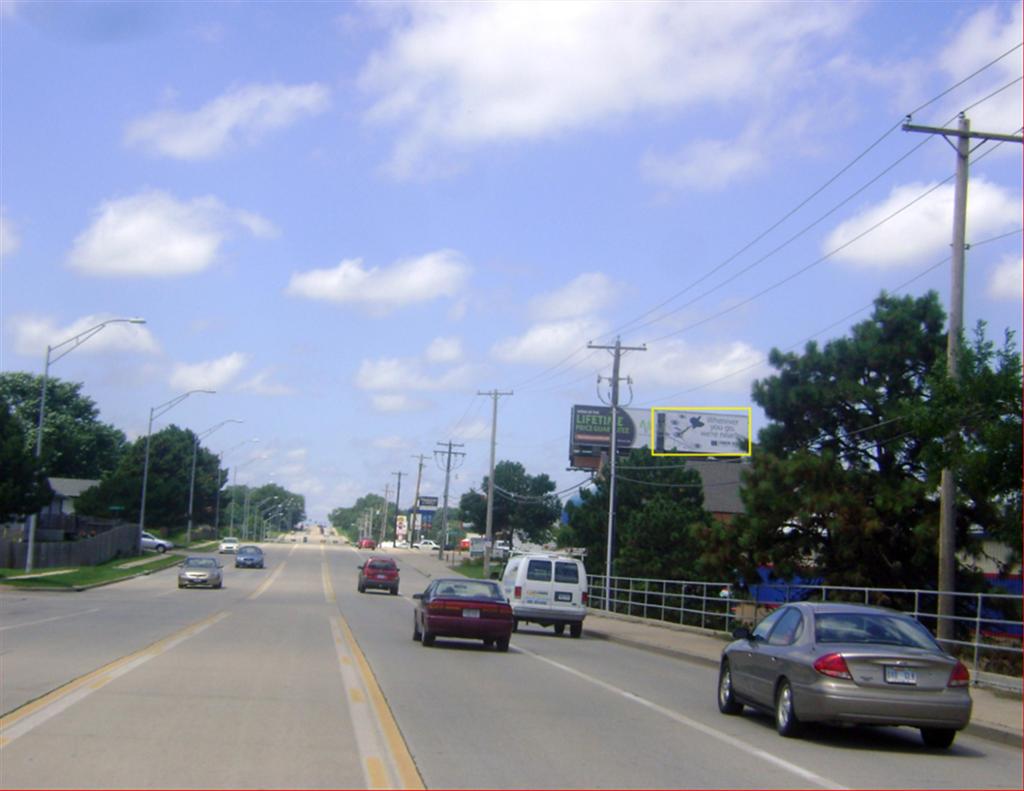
(567, 587)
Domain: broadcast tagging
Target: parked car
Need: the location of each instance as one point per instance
(849, 664)
(201, 571)
(149, 541)
(464, 608)
(379, 573)
(426, 544)
(546, 589)
(228, 544)
(367, 543)
(249, 557)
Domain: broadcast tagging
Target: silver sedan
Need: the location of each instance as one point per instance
(849, 664)
(202, 572)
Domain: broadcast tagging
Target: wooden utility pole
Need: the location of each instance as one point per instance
(495, 395)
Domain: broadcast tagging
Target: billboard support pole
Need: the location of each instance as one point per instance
(617, 351)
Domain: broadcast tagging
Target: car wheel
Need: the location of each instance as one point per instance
(515, 624)
(786, 722)
(428, 639)
(575, 629)
(488, 642)
(727, 703)
(161, 549)
(394, 591)
(559, 628)
(219, 585)
(416, 634)
(503, 643)
(938, 737)
(181, 585)
(361, 588)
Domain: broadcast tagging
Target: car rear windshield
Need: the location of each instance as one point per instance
(567, 572)
(470, 589)
(381, 564)
(539, 571)
(879, 629)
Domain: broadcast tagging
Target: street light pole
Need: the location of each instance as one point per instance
(192, 478)
(155, 412)
(74, 342)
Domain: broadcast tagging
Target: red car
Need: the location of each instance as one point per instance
(378, 572)
(464, 608)
(367, 543)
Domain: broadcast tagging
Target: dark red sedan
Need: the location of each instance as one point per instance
(464, 608)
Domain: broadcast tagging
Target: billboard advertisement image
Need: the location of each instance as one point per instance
(701, 431)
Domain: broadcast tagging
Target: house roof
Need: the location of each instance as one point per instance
(70, 487)
(721, 481)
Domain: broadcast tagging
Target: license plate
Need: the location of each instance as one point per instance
(563, 596)
(471, 613)
(900, 675)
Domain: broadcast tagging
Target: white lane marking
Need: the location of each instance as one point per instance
(34, 714)
(732, 741)
(47, 620)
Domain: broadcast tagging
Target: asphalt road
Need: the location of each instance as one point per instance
(289, 678)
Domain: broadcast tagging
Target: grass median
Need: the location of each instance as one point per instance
(70, 579)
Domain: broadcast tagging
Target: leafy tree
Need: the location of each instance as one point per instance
(659, 506)
(366, 510)
(167, 488)
(844, 476)
(523, 504)
(23, 487)
(76, 444)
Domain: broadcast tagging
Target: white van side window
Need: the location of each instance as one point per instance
(539, 571)
(567, 572)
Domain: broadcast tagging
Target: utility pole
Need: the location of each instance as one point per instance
(398, 497)
(447, 478)
(384, 517)
(947, 490)
(495, 395)
(617, 351)
(416, 500)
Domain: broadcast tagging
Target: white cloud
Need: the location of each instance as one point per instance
(209, 375)
(462, 74)
(708, 164)
(924, 231)
(584, 295)
(262, 384)
(548, 342)
(676, 363)
(439, 274)
(408, 374)
(475, 429)
(9, 240)
(242, 115)
(393, 442)
(1007, 280)
(395, 403)
(991, 31)
(154, 235)
(32, 334)
(444, 350)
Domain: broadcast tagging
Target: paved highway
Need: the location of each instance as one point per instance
(289, 678)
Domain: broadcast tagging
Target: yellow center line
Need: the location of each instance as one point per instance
(325, 574)
(269, 581)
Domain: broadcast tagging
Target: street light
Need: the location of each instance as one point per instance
(75, 342)
(155, 412)
(192, 479)
(220, 458)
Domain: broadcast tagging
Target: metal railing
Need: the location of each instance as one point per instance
(987, 626)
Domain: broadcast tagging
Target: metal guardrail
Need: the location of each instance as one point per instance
(987, 626)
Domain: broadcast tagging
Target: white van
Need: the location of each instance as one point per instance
(550, 590)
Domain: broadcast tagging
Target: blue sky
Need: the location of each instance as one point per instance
(349, 218)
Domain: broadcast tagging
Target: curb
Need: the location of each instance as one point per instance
(80, 588)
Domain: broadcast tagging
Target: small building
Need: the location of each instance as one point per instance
(65, 492)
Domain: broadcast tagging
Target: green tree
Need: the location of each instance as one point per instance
(524, 505)
(366, 511)
(843, 478)
(659, 506)
(76, 444)
(23, 487)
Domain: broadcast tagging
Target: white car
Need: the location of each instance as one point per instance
(149, 541)
(229, 545)
(425, 544)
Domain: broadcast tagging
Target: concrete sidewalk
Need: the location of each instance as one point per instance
(997, 715)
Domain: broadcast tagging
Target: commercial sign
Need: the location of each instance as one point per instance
(701, 431)
(427, 503)
(591, 433)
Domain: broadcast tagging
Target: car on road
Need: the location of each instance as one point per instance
(249, 557)
(198, 571)
(425, 544)
(367, 543)
(547, 589)
(464, 608)
(149, 541)
(379, 573)
(228, 544)
(845, 664)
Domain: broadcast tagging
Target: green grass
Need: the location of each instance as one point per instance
(88, 575)
(475, 569)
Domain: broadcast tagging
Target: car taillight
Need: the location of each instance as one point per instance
(518, 592)
(960, 677)
(586, 598)
(832, 665)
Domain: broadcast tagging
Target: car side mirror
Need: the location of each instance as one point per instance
(741, 633)
(417, 595)
(220, 565)
(360, 566)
